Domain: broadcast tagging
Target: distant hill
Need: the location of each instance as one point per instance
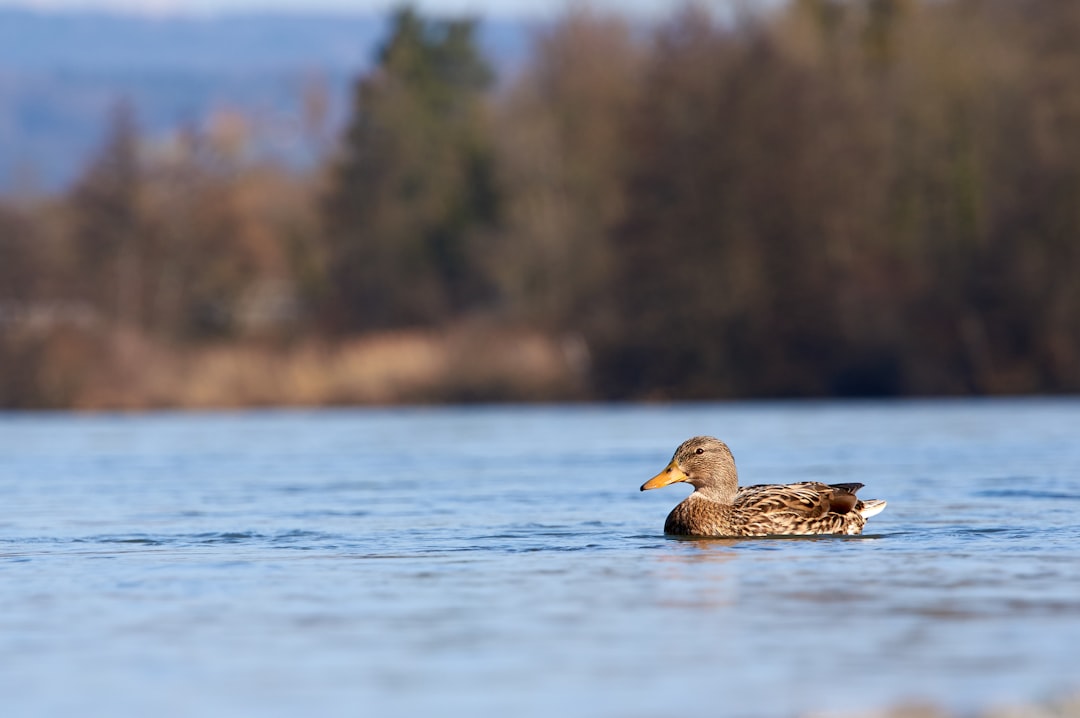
(61, 73)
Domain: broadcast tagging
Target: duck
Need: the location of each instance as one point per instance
(719, 507)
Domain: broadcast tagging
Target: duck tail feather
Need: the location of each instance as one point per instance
(871, 507)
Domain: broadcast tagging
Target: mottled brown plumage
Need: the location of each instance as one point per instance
(718, 507)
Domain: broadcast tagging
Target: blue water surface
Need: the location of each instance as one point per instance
(501, 561)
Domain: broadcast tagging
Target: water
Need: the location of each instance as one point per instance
(501, 561)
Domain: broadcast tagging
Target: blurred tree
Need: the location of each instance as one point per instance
(205, 253)
(17, 270)
(561, 137)
(960, 217)
(108, 232)
(673, 287)
(19, 265)
(736, 260)
(1023, 291)
(42, 347)
(413, 195)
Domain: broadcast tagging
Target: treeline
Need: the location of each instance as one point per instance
(833, 197)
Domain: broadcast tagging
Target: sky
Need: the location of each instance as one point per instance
(527, 8)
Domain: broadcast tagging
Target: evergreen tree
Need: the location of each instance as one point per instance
(413, 193)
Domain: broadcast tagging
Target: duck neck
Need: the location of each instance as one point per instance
(722, 492)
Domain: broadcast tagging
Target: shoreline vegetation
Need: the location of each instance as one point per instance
(821, 198)
(452, 365)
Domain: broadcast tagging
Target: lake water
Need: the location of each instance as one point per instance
(501, 561)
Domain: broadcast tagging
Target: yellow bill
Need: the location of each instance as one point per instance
(670, 475)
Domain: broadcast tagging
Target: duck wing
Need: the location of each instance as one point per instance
(808, 499)
(850, 488)
(843, 498)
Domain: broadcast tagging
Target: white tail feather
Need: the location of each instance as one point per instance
(871, 507)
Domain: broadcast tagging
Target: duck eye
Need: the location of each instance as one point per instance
(699, 450)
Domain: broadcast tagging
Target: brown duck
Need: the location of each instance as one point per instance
(718, 507)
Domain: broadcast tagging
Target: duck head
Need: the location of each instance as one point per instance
(706, 464)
